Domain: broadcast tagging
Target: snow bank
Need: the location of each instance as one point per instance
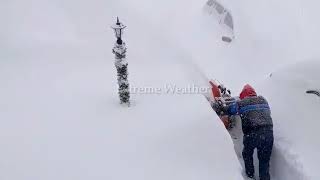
(296, 147)
(61, 120)
(295, 116)
(59, 112)
(271, 35)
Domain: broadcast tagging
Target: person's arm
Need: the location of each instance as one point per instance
(232, 109)
(222, 109)
(217, 107)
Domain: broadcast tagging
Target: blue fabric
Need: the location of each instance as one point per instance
(255, 113)
(254, 108)
(233, 109)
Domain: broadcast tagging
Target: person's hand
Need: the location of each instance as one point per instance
(217, 107)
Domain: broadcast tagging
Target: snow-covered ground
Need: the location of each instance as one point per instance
(294, 113)
(296, 119)
(60, 117)
(59, 111)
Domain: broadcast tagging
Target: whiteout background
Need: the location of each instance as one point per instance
(59, 112)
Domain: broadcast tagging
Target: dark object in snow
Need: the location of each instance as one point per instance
(254, 112)
(121, 64)
(313, 92)
(224, 91)
(261, 139)
(122, 72)
(226, 39)
(257, 127)
(222, 13)
(221, 96)
(118, 30)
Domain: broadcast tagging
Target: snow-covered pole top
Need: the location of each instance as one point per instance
(118, 28)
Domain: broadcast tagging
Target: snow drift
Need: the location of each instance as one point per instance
(59, 111)
(295, 114)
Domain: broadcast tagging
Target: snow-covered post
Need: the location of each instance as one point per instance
(121, 64)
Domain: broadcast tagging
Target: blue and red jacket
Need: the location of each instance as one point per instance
(254, 111)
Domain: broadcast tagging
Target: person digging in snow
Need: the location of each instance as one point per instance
(257, 127)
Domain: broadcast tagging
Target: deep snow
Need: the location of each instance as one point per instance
(296, 113)
(60, 117)
(296, 145)
(59, 111)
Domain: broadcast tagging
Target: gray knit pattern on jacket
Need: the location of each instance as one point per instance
(255, 119)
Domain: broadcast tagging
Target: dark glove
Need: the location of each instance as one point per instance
(218, 107)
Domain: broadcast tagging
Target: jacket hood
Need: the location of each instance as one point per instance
(247, 91)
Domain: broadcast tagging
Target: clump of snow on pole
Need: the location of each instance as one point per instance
(121, 64)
